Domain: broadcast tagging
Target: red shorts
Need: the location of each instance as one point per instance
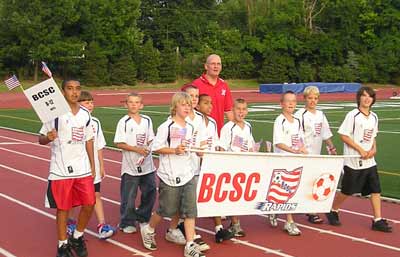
(67, 193)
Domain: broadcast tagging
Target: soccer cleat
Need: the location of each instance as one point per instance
(192, 251)
(175, 236)
(71, 226)
(223, 234)
(128, 229)
(148, 238)
(236, 230)
(202, 246)
(273, 220)
(292, 229)
(79, 246)
(105, 231)
(381, 225)
(333, 218)
(64, 251)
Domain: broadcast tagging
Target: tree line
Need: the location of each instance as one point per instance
(106, 42)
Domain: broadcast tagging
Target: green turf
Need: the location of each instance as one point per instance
(262, 122)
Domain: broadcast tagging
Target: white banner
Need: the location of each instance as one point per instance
(47, 100)
(260, 183)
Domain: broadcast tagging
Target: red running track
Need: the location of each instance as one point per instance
(28, 229)
(163, 97)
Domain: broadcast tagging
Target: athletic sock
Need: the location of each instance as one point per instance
(377, 219)
(218, 228)
(77, 234)
(62, 242)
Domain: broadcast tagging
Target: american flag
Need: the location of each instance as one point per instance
(237, 141)
(77, 134)
(194, 138)
(245, 146)
(140, 139)
(318, 128)
(209, 143)
(178, 133)
(367, 135)
(46, 70)
(257, 145)
(283, 185)
(12, 82)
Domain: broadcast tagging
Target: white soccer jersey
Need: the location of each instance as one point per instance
(288, 133)
(362, 129)
(211, 133)
(99, 143)
(174, 170)
(198, 136)
(135, 134)
(69, 158)
(315, 128)
(235, 139)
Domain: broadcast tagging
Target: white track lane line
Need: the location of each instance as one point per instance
(88, 231)
(117, 178)
(251, 245)
(322, 231)
(6, 253)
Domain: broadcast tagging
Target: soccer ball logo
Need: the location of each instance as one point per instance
(323, 187)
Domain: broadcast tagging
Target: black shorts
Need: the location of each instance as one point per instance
(364, 181)
(97, 187)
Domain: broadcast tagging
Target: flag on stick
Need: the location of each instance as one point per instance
(46, 70)
(12, 82)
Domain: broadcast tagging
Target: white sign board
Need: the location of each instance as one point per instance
(47, 100)
(246, 184)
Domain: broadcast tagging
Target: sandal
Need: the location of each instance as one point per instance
(314, 219)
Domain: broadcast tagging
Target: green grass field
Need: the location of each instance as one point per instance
(261, 116)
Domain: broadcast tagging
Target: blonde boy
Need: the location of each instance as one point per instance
(316, 130)
(133, 135)
(177, 188)
(288, 138)
(236, 136)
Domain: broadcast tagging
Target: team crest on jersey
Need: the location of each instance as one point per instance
(223, 92)
(367, 136)
(77, 135)
(318, 128)
(282, 187)
(140, 139)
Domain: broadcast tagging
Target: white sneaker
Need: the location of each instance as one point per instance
(292, 229)
(203, 246)
(128, 229)
(148, 238)
(192, 251)
(175, 236)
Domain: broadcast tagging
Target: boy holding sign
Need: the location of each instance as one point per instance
(72, 169)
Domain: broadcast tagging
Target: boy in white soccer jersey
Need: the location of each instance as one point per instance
(133, 135)
(236, 136)
(177, 188)
(211, 135)
(316, 130)
(105, 230)
(196, 119)
(288, 138)
(72, 169)
(358, 132)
